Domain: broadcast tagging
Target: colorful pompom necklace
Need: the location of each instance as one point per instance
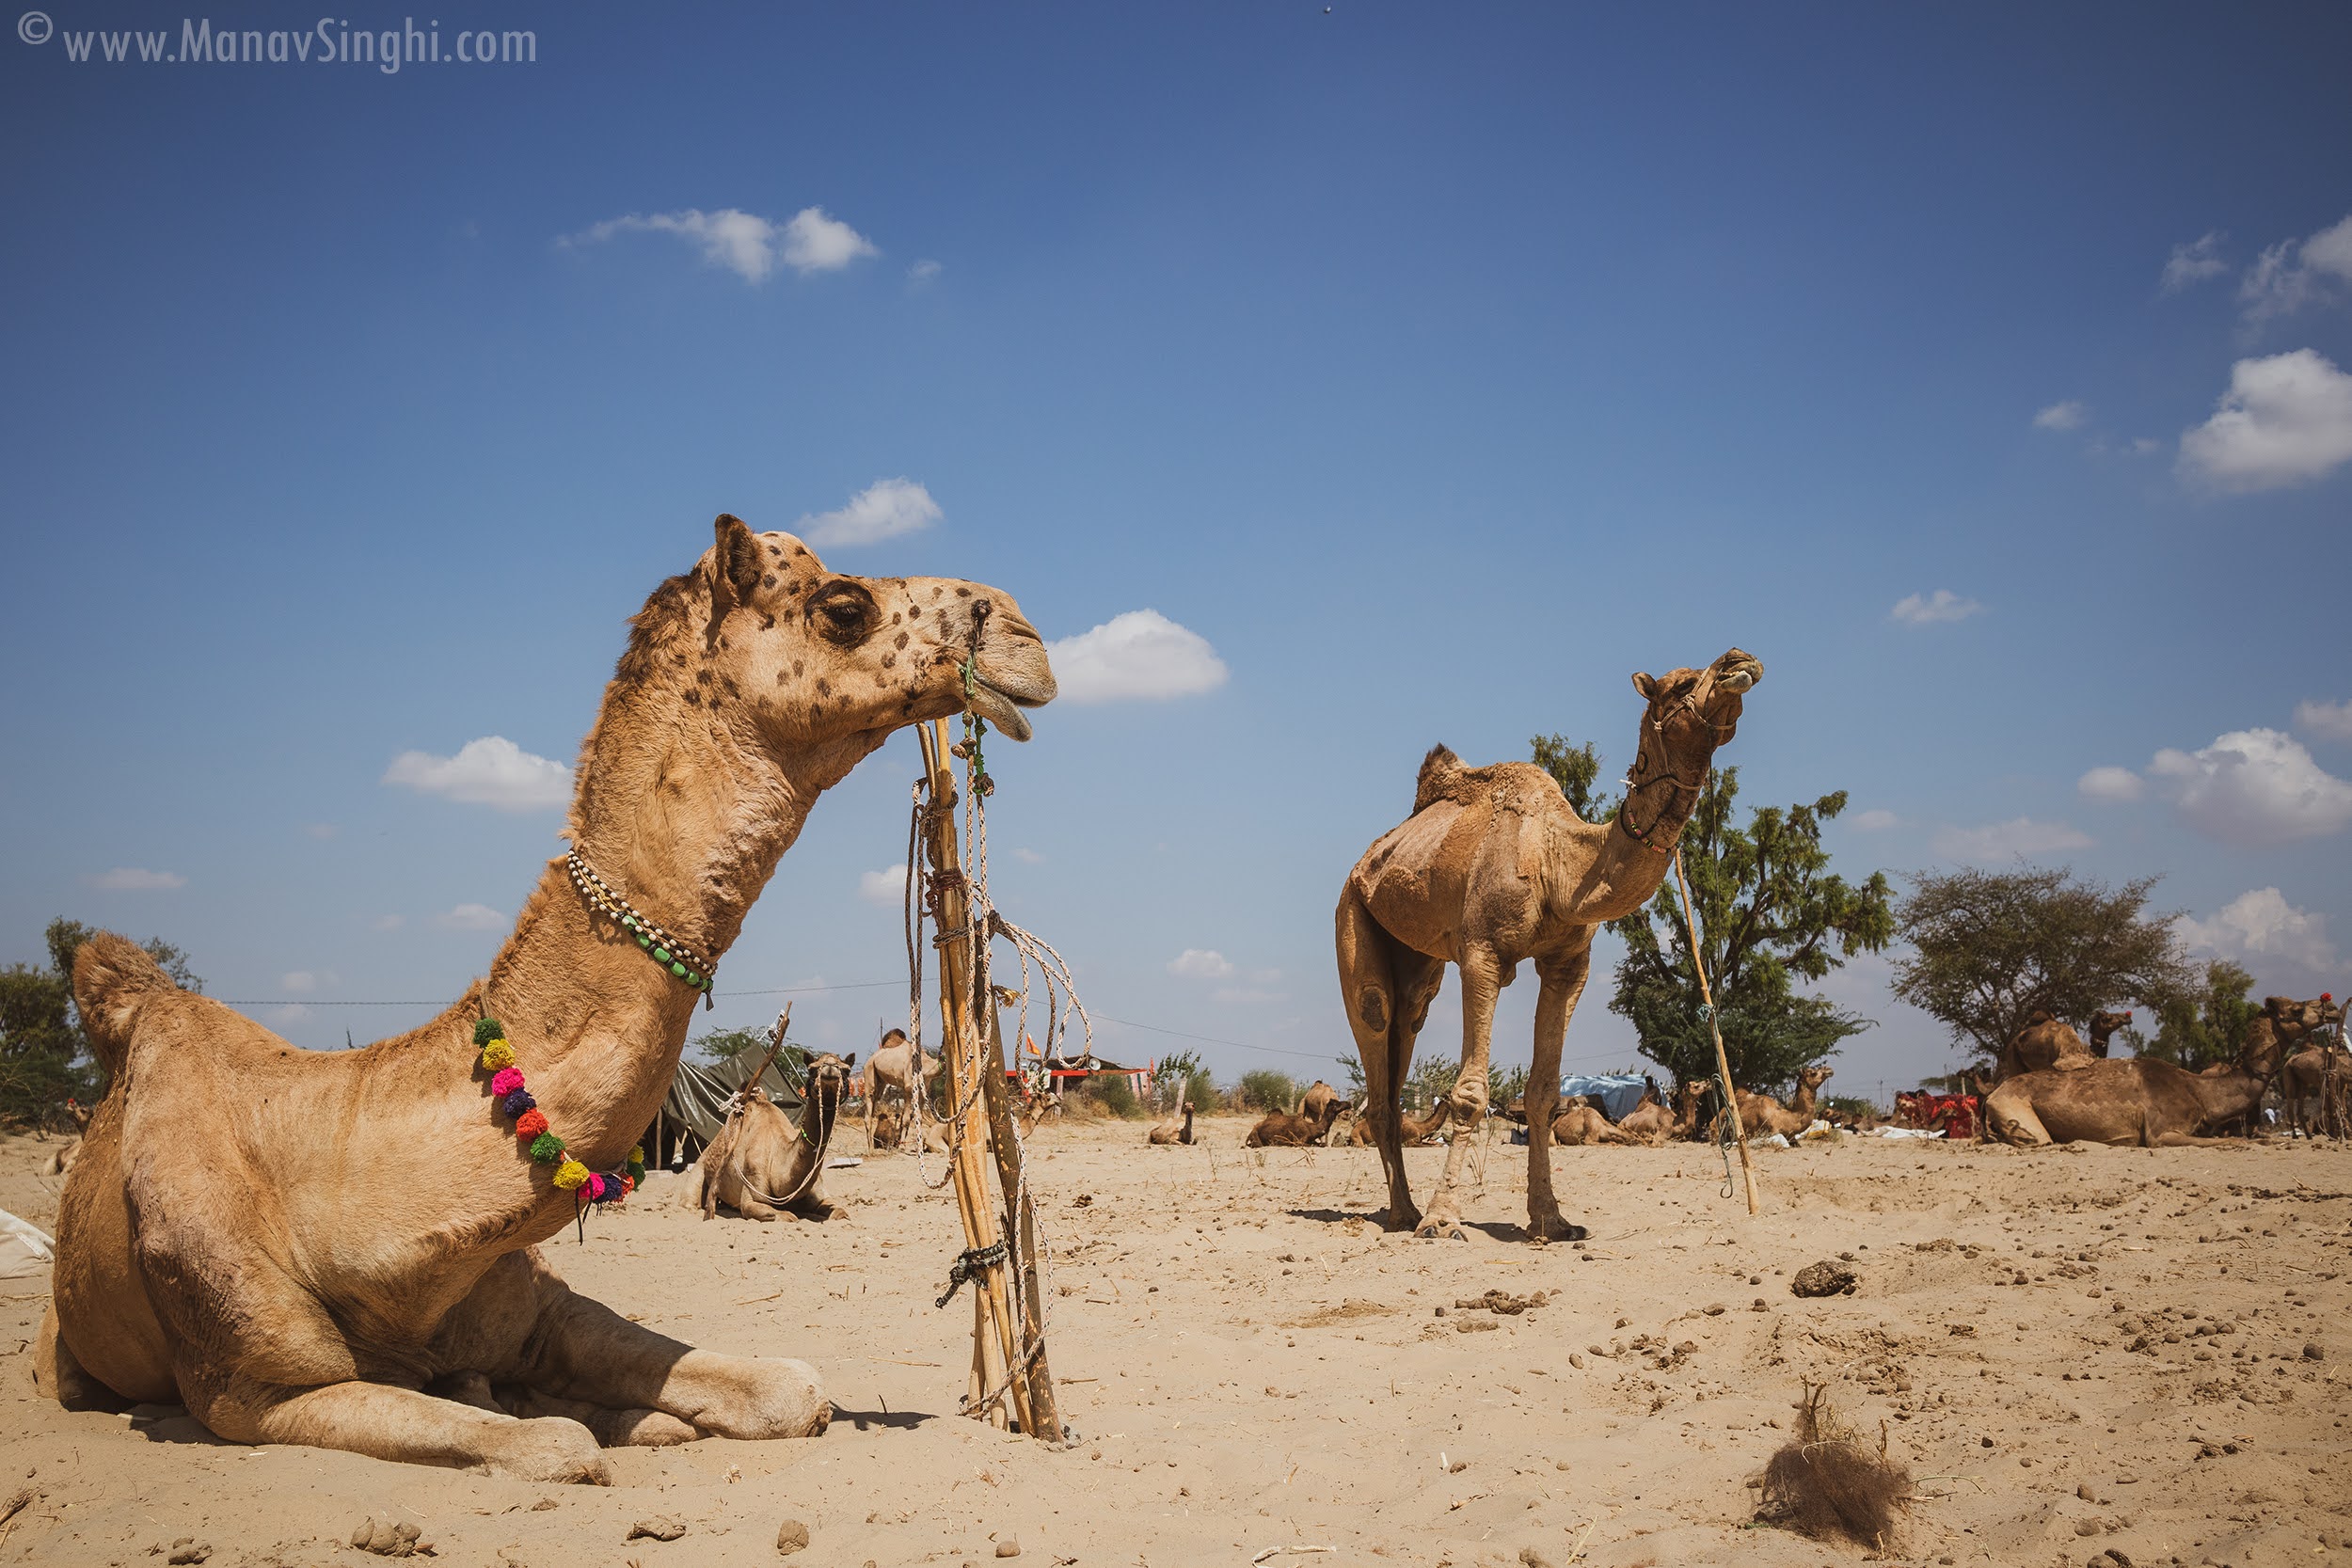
(530, 1125)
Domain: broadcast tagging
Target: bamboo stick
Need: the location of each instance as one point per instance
(1723, 1061)
(994, 1347)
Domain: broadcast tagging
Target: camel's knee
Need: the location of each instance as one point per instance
(1372, 1010)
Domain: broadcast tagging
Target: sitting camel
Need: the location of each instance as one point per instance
(1174, 1131)
(1582, 1124)
(761, 1164)
(1414, 1133)
(312, 1247)
(1288, 1130)
(2048, 1043)
(2137, 1103)
(1653, 1123)
(1762, 1115)
(1494, 869)
(893, 1070)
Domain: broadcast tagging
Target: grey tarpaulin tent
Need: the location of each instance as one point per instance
(696, 1106)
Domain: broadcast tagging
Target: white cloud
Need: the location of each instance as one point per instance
(2286, 420)
(884, 509)
(744, 243)
(886, 886)
(2262, 926)
(2193, 262)
(1140, 654)
(132, 878)
(471, 917)
(1028, 857)
(816, 241)
(2328, 721)
(2061, 416)
(320, 831)
(490, 771)
(2001, 841)
(1928, 609)
(2254, 788)
(2111, 785)
(1876, 820)
(387, 922)
(1201, 963)
(304, 980)
(2289, 275)
(923, 272)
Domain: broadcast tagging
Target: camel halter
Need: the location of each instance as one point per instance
(682, 962)
(1685, 789)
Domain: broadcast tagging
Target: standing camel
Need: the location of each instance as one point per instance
(312, 1247)
(1495, 868)
(897, 1068)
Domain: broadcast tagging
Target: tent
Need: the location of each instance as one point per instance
(1619, 1092)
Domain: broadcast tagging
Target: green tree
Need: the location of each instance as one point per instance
(44, 1056)
(1989, 947)
(1264, 1089)
(717, 1045)
(2196, 1030)
(1179, 1076)
(1574, 768)
(1431, 1080)
(1772, 914)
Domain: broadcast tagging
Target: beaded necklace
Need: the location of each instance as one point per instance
(681, 961)
(545, 1146)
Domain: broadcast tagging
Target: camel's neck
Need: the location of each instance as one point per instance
(2227, 1094)
(686, 819)
(1807, 1095)
(1632, 856)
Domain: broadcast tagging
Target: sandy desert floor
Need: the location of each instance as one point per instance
(2085, 1356)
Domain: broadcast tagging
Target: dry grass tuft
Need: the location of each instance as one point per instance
(1827, 1483)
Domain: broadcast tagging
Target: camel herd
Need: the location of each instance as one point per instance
(339, 1249)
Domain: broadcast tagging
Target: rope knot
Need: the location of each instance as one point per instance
(968, 1265)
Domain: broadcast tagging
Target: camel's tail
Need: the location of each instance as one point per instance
(113, 978)
(1438, 770)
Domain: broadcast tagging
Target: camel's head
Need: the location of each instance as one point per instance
(1814, 1077)
(1691, 712)
(801, 656)
(2104, 1024)
(825, 1073)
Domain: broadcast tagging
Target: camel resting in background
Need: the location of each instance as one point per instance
(1581, 1124)
(1762, 1115)
(1175, 1129)
(1286, 1130)
(1319, 1094)
(2048, 1043)
(1653, 1123)
(1417, 1133)
(2137, 1102)
(761, 1164)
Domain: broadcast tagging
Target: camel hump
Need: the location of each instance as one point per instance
(113, 978)
(1439, 769)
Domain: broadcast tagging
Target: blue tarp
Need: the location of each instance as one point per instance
(1619, 1092)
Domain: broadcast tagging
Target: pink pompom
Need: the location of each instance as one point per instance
(595, 1189)
(506, 1081)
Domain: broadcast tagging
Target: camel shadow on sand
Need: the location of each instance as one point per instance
(1499, 1230)
(867, 1420)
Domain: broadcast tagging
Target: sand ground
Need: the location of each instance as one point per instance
(2077, 1352)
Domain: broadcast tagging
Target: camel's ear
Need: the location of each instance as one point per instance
(1646, 682)
(850, 1061)
(738, 559)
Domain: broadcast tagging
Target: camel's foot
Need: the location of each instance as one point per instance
(551, 1448)
(1550, 1227)
(612, 1429)
(1400, 1217)
(1445, 1223)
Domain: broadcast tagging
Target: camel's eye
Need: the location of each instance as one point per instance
(843, 612)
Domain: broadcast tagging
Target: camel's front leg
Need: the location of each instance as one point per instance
(407, 1427)
(1563, 984)
(1482, 979)
(585, 1351)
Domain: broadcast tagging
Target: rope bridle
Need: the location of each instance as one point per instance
(1684, 799)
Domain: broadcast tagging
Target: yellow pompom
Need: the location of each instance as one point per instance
(636, 1156)
(570, 1174)
(497, 1054)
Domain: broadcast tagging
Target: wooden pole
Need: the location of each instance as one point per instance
(971, 1048)
(1723, 1061)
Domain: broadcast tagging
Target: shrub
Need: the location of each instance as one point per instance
(1266, 1090)
(1110, 1091)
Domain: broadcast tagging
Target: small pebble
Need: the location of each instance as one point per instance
(791, 1536)
(656, 1528)
(1008, 1547)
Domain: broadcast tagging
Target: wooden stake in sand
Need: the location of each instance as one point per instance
(1723, 1062)
(1011, 1382)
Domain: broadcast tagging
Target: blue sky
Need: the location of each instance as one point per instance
(1435, 368)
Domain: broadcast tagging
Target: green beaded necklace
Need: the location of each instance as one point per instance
(682, 962)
